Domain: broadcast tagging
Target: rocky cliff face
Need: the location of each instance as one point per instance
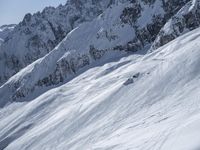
(113, 28)
(186, 19)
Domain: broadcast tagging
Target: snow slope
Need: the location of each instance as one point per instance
(139, 102)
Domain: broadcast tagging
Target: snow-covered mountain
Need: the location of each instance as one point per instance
(114, 32)
(96, 74)
(39, 33)
(137, 102)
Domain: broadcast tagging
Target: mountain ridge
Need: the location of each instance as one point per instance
(39, 33)
(111, 32)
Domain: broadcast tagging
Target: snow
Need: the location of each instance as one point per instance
(98, 31)
(5, 30)
(186, 137)
(148, 12)
(95, 110)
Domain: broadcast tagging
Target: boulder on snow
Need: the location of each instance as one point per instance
(129, 81)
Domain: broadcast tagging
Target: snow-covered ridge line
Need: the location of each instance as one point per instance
(114, 30)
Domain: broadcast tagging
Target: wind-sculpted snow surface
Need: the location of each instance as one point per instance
(157, 110)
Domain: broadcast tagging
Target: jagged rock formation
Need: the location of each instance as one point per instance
(187, 19)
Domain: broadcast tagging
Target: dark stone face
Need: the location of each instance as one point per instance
(149, 33)
(192, 19)
(131, 14)
(149, 1)
(27, 18)
(172, 6)
(95, 53)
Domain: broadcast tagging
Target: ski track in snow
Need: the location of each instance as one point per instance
(159, 110)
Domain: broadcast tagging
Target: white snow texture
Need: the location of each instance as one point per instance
(146, 100)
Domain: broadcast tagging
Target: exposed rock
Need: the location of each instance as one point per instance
(187, 19)
(128, 81)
